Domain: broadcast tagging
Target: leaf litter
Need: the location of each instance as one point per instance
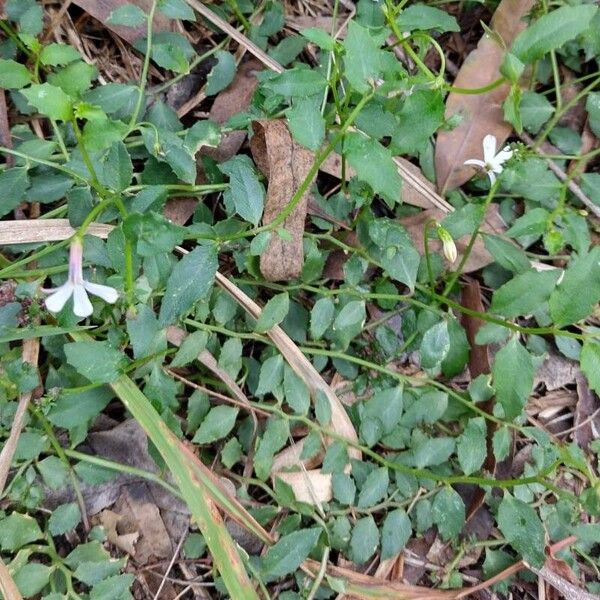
(346, 286)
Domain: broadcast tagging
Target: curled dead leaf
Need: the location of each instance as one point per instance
(286, 164)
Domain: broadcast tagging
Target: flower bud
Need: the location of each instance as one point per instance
(448, 245)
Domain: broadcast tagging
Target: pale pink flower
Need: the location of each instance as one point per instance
(78, 287)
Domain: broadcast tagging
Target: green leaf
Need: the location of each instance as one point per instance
(512, 392)
(231, 453)
(202, 133)
(191, 280)
(190, 348)
(273, 312)
(506, 254)
(306, 122)
(396, 531)
(336, 458)
(349, 322)
(171, 57)
(289, 552)
(318, 37)
(448, 511)
(116, 168)
(14, 183)
(511, 106)
(246, 191)
(296, 392)
(53, 471)
(428, 452)
(363, 60)
(321, 317)
(590, 364)
(74, 410)
(74, 79)
(271, 374)
(533, 222)
(344, 488)
(113, 588)
(153, 233)
(50, 101)
(552, 31)
(176, 9)
(32, 578)
(364, 540)
(18, 530)
(55, 55)
(13, 75)
(471, 446)
(374, 488)
(222, 74)
(524, 294)
(501, 443)
(218, 423)
(128, 15)
(297, 83)
(535, 109)
(521, 526)
(373, 164)
(579, 290)
(98, 362)
(435, 345)
(64, 518)
(592, 105)
(386, 407)
(275, 437)
(422, 17)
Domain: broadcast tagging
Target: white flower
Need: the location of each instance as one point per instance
(492, 162)
(78, 287)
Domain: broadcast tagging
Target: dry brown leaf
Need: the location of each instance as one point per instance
(234, 99)
(8, 588)
(587, 417)
(286, 164)
(124, 541)
(481, 114)
(101, 9)
(479, 256)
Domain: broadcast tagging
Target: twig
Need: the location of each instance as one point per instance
(30, 355)
(170, 566)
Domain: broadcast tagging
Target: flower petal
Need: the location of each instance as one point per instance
(55, 302)
(503, 155)
(82, 306)
(475, 161)
(492, 177)
(489, 148)
(107, 293)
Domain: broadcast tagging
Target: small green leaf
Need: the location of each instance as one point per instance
(58, 54)
(551, 31)
(112, 588)
(275, 437)
(271, 375)
(349, 322)
(246, 191)
(32, 578)
(191, 280)
(374, 488)
(296, 392)
(289, 552)
(373, 164)
(363, 59)
(592, 105)
(218, 423)
(471, 446)
(321, 317)
(176, 9)
(128, 15)
(96, 361)
(18, 530)
(579, 290)
(521, 526)
(336, 458)
(590, 364)
(297, 83)
(395, 532)
(422, 17)
(525, 293)
(231, 453)
(116, 167)
(222, 74)
(535, 109)
(501, 443)
(344, 488)
(53, 471)
(318, 37)
(274, 311)
(364, 540)
(435, 345)
(306, 122)
(190, 348)
(512, 392)
(448, 510)
(64, 518)
(50, 101)
(14, 183)
(14, 75)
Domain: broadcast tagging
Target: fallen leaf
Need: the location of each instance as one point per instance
(481, 114)
(124, 541)
(479, 256)
(232, 100)
(587, 419)
(286, 164)
(101, 9)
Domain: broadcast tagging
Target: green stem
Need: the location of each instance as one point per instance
(145, 67)
(475, 91)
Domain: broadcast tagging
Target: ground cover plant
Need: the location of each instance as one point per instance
(299, 299)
